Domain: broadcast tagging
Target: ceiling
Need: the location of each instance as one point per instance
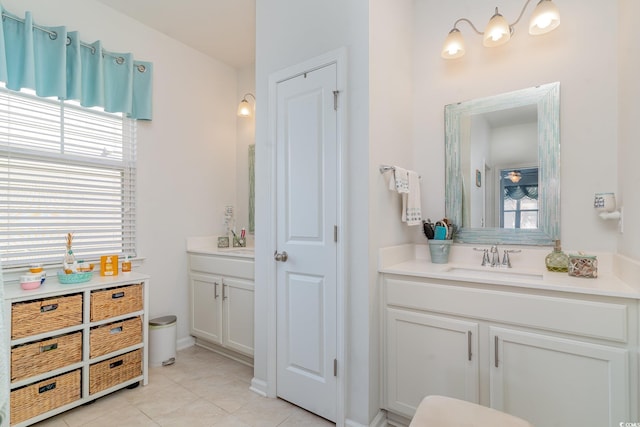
(221, 29)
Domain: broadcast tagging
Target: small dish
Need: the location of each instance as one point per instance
(31, 281)
(35, 268)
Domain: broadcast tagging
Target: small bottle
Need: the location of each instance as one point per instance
(557, 260)
(126, 265)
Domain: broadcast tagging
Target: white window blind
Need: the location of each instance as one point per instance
(64, 169)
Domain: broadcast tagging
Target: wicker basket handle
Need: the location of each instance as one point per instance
(117, 295)
(45, 308)
(47, 387)
(48, 347)
(116, 364)
(117, 329)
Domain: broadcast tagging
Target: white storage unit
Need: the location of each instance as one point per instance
(88, 340)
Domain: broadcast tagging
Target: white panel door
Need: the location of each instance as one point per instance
(429, 354)
(307, 171)
(552, 381)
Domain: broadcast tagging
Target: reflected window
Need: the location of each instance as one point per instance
(519, 198)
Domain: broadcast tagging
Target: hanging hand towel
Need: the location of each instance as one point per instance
(411, 205)
(399, 180)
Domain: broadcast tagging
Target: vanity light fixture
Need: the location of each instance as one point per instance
(545, 18)
(244, 108)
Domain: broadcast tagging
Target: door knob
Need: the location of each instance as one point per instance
(282, 257)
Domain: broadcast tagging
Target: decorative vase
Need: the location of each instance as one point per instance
(557, 260)
(69, 258)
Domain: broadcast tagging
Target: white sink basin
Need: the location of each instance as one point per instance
(495, 273)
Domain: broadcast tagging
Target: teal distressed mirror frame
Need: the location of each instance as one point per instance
(547, 99)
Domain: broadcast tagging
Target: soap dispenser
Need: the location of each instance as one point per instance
(557, 260)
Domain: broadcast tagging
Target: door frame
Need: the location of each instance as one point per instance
(338, 57)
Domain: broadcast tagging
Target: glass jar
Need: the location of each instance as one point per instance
(126, 265)
(557, 260)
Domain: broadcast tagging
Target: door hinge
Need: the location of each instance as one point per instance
(335, 99)
(335, 233)
(335, 367)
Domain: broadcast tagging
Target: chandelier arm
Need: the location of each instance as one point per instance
(520, 16)
(455, 25)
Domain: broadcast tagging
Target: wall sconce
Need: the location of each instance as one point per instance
(244, 108)
(545, 18)
(605, 204)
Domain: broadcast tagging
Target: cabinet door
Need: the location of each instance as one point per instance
(206, 307)
(426, 355)
(552, 381)
(238, 315)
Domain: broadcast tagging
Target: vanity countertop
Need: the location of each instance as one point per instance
(413, 260)
(208, 245)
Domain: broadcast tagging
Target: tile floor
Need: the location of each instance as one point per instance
(201, 389)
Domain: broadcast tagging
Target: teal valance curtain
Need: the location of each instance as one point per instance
(56, 63)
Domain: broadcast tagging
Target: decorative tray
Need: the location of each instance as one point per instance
(67, 279)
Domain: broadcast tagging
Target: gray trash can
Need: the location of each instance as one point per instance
(162, 340)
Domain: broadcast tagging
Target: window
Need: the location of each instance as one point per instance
(64, 168)
(519, 198)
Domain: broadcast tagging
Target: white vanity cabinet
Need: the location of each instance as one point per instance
(449, 345)
(550, 358)
(221, 298)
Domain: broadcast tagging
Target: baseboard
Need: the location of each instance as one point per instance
(380, 420)
(397, 420)
(186, 342)
(225, 352)
(258, 386)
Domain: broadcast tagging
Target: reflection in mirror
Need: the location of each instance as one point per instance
(493, 144)
(502, 167)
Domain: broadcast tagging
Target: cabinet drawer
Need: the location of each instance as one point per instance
(115, 336)
(43, 356)
(35, 399)
(106, 303)
(114, 371)
(606, 320)
(44, 315)
(223, 266)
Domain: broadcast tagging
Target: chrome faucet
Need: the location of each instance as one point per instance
(506, 261)
(495, 256)
(485, 256)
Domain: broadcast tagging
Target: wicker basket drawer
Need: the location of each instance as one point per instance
(112, 302)
(43, 356)
(44, 315)
(114, 371)
(114, 336)
(35, 399)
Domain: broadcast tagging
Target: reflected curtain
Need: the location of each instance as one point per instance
(517, 192)
(56, 63)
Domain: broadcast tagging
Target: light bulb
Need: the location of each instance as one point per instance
(545, 18)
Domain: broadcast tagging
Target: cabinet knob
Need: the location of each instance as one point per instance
(282, 257)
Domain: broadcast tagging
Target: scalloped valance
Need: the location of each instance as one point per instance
(56, 63)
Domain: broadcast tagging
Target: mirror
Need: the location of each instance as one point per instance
(503, 167)
(252, 188)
